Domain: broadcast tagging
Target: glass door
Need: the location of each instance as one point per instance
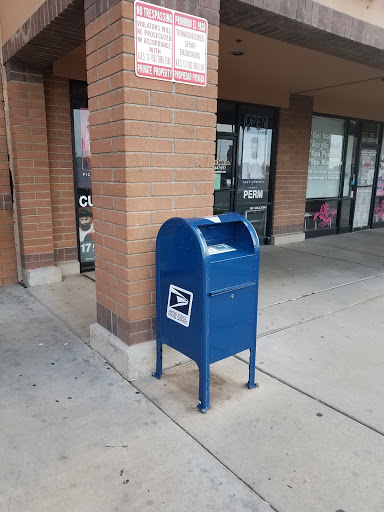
(224, 174)
(349, 178)
(366, 175)
(244, 163)
(378, 207)
(253, 177)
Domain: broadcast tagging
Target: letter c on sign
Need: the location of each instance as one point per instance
(83, 201)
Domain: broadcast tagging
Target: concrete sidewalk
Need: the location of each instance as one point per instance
(76, 436)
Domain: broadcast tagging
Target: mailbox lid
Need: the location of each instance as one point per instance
(228, 226)
(232, 251)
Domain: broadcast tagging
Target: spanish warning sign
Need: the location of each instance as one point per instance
(170, 45)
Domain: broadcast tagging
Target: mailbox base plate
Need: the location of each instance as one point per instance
(203, 410)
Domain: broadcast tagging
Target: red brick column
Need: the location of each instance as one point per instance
(61, 174)
(8, 266)
(153, 147)
(31, 172)
(294, 135)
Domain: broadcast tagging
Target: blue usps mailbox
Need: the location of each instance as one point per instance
(207, 276)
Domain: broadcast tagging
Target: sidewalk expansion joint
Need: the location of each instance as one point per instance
(301, 322)
(59, 318)
(274, 509)
(321, 291)
(313, 397)
(342, 249)
(333, 257)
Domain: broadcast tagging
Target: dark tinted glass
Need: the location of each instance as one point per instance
(370, 132)
(226, 117)
(320, 215)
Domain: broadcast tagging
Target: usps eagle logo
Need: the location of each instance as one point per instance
(179, 305)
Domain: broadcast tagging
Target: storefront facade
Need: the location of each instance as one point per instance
(345, 187)
(345, 176)
(287, 131)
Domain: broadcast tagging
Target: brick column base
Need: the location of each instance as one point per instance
(293, 144)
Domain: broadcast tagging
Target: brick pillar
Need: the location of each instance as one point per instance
(153, 147)
(59, 133)
(294, 135)
(31, 172)
(8, 266)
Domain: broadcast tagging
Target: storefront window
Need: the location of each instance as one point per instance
(362, 207)
(324, 173)
(345, 187)
(349, 176)
(226, 116)
(345, 216)
(254, 170)
(325, 157)
(370, 132)
(378, 210)
(350, 171)
(84, 186)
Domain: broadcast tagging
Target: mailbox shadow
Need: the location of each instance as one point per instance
(182, 384)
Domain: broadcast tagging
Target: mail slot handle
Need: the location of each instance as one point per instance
(231, 289)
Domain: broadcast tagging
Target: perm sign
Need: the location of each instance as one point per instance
(170, 45)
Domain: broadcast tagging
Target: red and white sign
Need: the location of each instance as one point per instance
(170, 45)
(190, 49)
(153, 41)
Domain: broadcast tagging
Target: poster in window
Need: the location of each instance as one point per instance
(362, 207)
(380, 176)
(86, 235)
(84, 185)
(83, 151)
(254, 166)
(380, 180)
(367, 166)
(253, 179)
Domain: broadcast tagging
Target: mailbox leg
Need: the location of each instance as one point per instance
(252, 362)
(203, 404)
(159, 360)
